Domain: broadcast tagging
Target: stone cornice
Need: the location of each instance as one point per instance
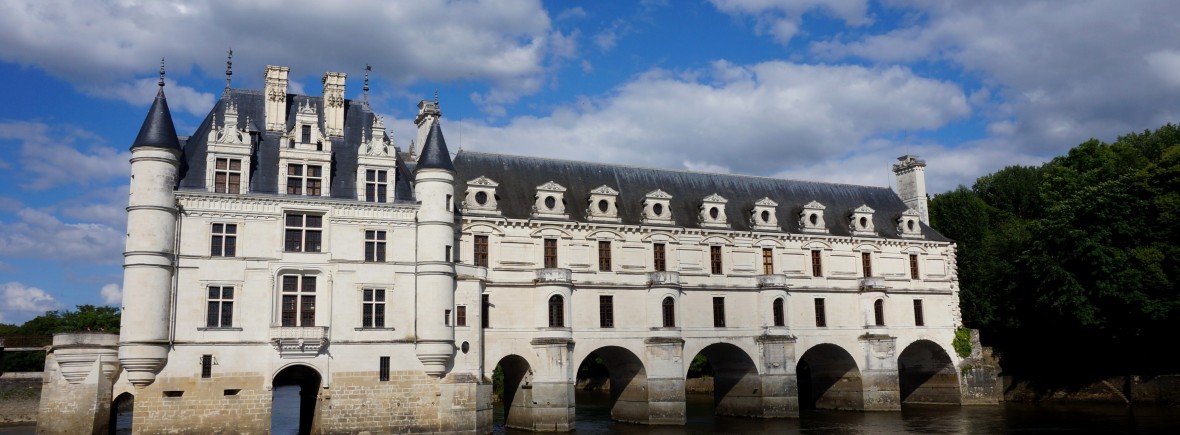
(267, 207)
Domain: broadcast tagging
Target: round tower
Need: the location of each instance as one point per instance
(434, 188)
(148, 259)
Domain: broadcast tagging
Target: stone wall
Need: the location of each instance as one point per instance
(226, 403)
(20, 394)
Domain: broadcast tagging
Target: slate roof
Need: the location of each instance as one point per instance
(264, 169)
(158, 130)
(519, 177)
(434, 153)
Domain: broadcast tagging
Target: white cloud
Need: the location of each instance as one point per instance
(143, 91)
(53, 157)
(782, 18)
(97, 43)
(112, 294)
(39, 234)
(21, 300)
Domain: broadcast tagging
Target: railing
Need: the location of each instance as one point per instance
(299, 340)
(872, 283)
(25, 343)
(663, 278)
(772, 281)
(554, 275)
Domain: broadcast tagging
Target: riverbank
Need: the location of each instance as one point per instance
(20, 395)
(1162, 390)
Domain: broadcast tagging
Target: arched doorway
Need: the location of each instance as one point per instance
(927, 375)
(122, 409)
(736, 384)
(829, 379)
(293, 400)
(627, 380)
(512, 386)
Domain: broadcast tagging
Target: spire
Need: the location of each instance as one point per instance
(434, 152)
(229, 68)
(157, 130)
(366, 88)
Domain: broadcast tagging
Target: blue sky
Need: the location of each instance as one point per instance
(830, 90)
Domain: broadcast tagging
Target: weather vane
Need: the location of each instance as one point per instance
(367, 69)
(229, 68)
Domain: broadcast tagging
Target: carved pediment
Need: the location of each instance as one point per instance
(766, 202)
(715, 198)
(604, 190)
(658, 194)
(864, 209)
(814, 205)
(483, 181)
(551, 187)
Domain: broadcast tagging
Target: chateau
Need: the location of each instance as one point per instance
(289, 241)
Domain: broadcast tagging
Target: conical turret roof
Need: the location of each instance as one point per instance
(158, 130)
(434, 153)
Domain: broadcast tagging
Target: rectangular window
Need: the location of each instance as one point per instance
(225, 240)
(658, 257)
(768, 261)
(304, 179)
(373, 308)
(220, 311)
(446, 317)
(866, 263)
(383, 369)
(606, 311)
(719, 312)
(206, 366)
(919, 318)
(715, 259)
(485, 304)
(550, 253)
(376, 185)
(374, 246)
(461, 315)
(817, 266)
(305, 134)
(227, 176)
(304, 232)
(604, 255)
(481, 251)
(298, 300)
(913, 266)
(821, 319)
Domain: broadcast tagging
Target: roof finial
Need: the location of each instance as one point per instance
(366, 88)
(436, 96)
(161, 72)
(229, 68)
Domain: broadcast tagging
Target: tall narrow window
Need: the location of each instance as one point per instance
(304, 179)
(376, 185)
(304, 232)
(768, 261)
(298, 307)
(821, 318)
(668, 308)
(913, 266)
(550, 253)
(866, 263)
(780, 315)
(220, 310)
(879, 312)
(446, 317)
(373, 308)
(604, 255)
(556, 311)
(715, 259)
(227, 176)
(383, 369)
(719, 312)
(919, 318)
(485, 305)
(305, 134)
(817, 265)
(658, 257)
(606, 311)
(206, 366)
(374, 246)
(481, 251)
(225, 240)
(461, 315)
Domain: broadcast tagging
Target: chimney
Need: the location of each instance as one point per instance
(911, 184)
(334, 103)
(276, 98)
(427, 113)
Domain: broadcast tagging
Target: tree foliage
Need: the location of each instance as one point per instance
(1074, 260)
(85, 318)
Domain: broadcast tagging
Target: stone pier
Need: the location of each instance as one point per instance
(76, 395)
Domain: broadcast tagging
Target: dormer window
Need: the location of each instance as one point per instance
(550, 201)
(481, 197)
(376, 167)
(861, 221)
(713, 212)
(305, 134)
(376, 185)
(908, 226)
(227, 175)
(603, 205)
(304, 179)
(762, 216)
(811, 219)
(655, 208)
(229, 150)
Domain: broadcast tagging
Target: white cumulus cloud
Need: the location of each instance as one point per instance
(21, 301)
(112, 294)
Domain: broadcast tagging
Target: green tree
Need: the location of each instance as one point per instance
(84, 318)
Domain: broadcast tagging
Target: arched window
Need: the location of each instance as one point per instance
(669, 310)
(556, 311)
(780, 317)
(879, 312)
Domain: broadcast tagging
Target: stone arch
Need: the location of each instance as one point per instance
(308, 380)
(517, 391)
(829, 379)
(122, 411)
(628, 382)
(736, 383)
(926, 374)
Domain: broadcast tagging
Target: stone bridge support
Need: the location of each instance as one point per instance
(76, 396)
(780, 385)
(548, 402)
(882, 391)
(665, 380)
